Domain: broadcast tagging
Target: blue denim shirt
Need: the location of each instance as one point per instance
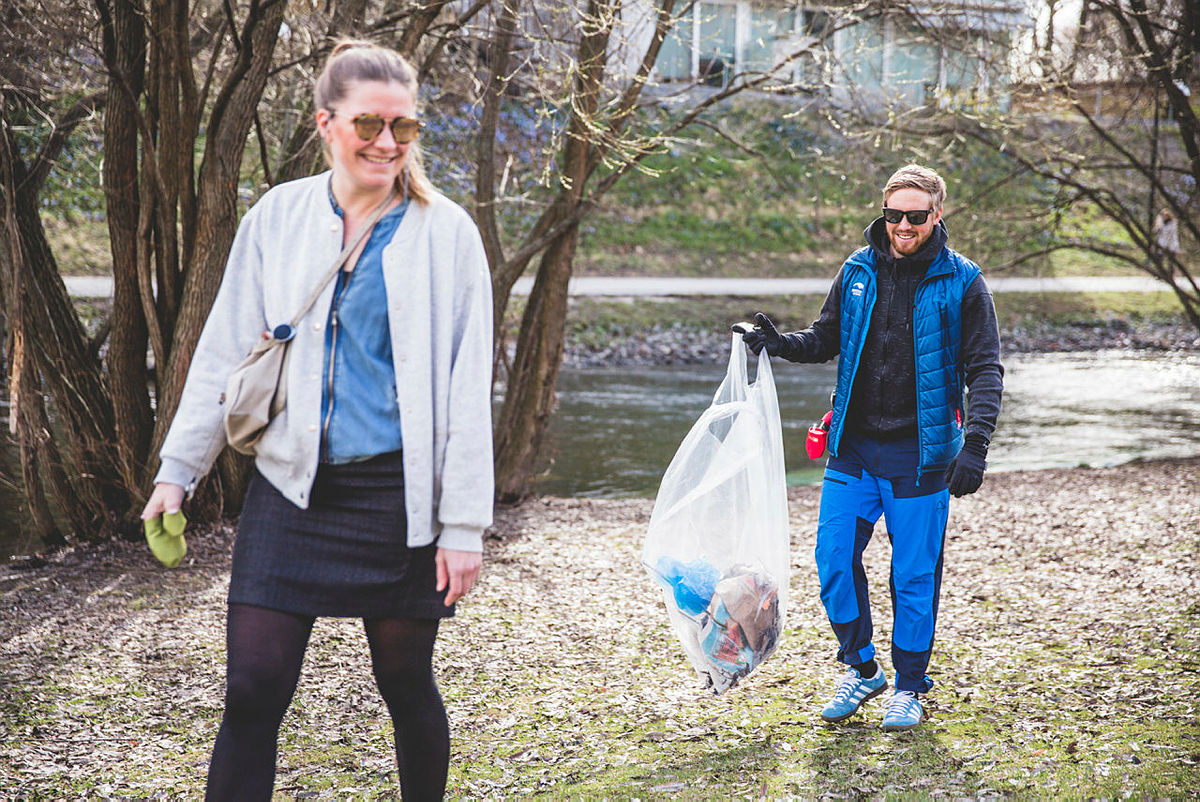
(360, 416)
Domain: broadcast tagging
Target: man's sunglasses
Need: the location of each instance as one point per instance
(369, 126)
(915, 216)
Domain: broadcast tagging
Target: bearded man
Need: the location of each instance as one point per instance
(913, 325)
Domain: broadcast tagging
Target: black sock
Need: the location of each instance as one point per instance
(866, 670)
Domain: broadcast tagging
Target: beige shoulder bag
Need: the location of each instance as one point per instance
(257, 389)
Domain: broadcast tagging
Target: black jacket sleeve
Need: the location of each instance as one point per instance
(981, 359)
(821, 341)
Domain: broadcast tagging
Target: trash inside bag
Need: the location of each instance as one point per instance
(717, 543)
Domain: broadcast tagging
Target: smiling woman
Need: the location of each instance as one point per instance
(373, 484)
(368, 123)
(367, 165)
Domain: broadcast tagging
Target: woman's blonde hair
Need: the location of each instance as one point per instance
(353, 61)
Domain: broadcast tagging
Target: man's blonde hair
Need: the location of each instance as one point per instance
(914, 176)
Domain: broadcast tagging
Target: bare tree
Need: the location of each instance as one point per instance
(188, 77)
(1105, 118)
(608, 123)
(48, 354)
(183, 91)
(169, 88)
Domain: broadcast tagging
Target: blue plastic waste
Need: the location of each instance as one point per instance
(693, 583)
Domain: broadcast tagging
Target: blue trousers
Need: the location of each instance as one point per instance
(867, 479)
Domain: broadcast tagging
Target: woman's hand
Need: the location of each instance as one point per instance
(457, 571)
(165, 498)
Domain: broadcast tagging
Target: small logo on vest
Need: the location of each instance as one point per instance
(857, 289)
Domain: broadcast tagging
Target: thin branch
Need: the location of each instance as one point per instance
(263, 151)
(485, 186)
(728, 137)
(52, 148)
(210, 73)
(231, 23)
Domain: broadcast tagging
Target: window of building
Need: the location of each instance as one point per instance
(913, 65)
(861, 55)
(713, 40)
(675, 57)
(814, 23)
(890, 58)
(772, 37)
(975, 69)
(717, 42)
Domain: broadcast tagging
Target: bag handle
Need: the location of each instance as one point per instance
(736, 383)
(337, 264)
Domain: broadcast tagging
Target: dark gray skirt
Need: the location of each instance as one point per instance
(346, 555)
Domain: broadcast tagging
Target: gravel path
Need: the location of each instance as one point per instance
(661, 286)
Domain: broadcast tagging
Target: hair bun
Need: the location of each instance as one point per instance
(348, 44)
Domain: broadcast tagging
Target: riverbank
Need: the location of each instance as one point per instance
(1066, 664)
(648, 329)
(681, 344)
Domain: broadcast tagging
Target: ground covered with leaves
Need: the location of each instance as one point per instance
(1066, 663)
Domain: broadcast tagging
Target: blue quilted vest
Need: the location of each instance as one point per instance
(937, 337)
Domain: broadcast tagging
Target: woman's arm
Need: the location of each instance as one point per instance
(464, 504)
(234, 323)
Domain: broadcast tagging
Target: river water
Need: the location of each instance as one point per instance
(616, 429)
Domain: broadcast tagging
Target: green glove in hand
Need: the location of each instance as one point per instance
(164, 533)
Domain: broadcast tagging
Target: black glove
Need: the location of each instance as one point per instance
(965, 473)
(763, 335)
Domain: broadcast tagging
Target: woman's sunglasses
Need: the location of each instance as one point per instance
(369, 126)
(915, 216)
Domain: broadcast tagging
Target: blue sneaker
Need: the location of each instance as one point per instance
(852, 691)
(903, 712)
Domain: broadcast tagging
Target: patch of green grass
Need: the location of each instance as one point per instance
(599, 317)
(769, 742)
(1063, 752)
(692, 231)
(793, 187)
(333, 767)
(1074, 262)
(1064, 308)
(79, 243)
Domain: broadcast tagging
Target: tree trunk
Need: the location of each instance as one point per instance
(529, 400)
(126, 360)
(33, 438)
(216, 215)
(503, 275)
(417, 26)
(26, 409)
(49, 355)
(302, 153)
(58, 347)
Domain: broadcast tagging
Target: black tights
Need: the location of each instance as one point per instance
(265, 651)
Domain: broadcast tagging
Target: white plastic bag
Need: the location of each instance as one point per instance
(718, 536)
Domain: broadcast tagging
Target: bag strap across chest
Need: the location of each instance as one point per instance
(351, 246)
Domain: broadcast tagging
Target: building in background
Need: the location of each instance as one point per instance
(925, 54)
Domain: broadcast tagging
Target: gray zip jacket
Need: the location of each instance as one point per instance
(438, 291)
